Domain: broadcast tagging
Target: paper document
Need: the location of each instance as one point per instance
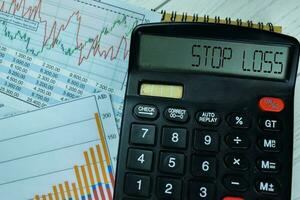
(51, 151)
(57, 50)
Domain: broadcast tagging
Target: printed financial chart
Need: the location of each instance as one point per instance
(54, 50)
(62, 154)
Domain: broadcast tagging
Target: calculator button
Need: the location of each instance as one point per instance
(176, 114)
(206, 141)
(201, 190)
(269, 144)
(139, 159)
(267, 186)
(146, 111)
(237, 162)
(208, 118)
(169, 188)
(172, 163)
(235, 183)
(137, 185)
(271, 104)
(204, 166)
(268, 165)
(239, 120)
(270, 124)
(174, 137)
(237, 141)
(142, 134)
(233, 198)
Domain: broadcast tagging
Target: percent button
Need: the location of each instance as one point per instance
(239, 120)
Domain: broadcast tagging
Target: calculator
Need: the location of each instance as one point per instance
(208, 114)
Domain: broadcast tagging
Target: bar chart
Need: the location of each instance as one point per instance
(59, 152)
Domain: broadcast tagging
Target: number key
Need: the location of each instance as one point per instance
(201, 191)
(206, 141)
(139, 159)
(204, 166)
(172, 163)
(142, 134)
(174, 137)
(169, 188)
(137, 185)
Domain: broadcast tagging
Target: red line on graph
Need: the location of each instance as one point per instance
(34, 13)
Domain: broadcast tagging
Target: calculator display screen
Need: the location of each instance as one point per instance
(213, 56)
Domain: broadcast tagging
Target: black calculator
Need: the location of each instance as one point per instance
(208, 114)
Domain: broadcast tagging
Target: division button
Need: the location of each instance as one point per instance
(206, 141)
(267, 186)
(208, 118)
(176, 114)
(239, 120)
(137, 185)
(269, 144)
(271, 104)
(237, 162)
(199, 190)
(235, 183)
(268, 165)
(146, 111)
(270, 124)
(237, 141)
(169, 188)
(139, 159)
(142, 134)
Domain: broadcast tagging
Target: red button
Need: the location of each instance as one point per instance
(271, 104)
(233, 198)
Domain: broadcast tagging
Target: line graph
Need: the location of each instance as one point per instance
(89, 37)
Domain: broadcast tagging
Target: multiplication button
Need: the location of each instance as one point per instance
(237, 162)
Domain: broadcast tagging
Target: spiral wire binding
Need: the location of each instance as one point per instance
(184, 17)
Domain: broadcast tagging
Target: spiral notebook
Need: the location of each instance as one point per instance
(184, 17)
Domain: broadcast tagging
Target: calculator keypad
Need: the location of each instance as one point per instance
(186, 161)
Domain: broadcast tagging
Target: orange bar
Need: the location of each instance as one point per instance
(68, 190)
(95, 165)
(102, 164)
(86, 183)
(88, 163)
(75, 191)
(55, 192)
(62, 192)
(50, 196)
(102, 138)
(36, 197)
(44, 197)
(79, 180)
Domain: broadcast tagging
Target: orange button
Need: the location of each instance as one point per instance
(233, 198)
(271, 104)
